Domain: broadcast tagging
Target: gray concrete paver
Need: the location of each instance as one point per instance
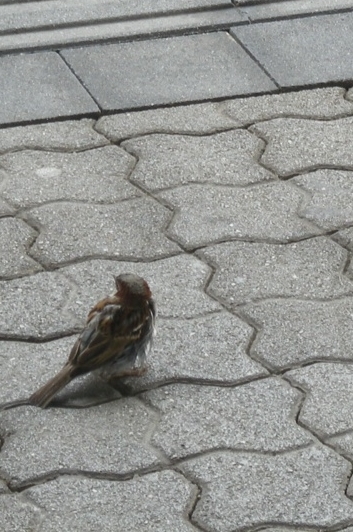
(98, 176)
(296, 145)
(185, 119)
(323, 103)
(324, 409)
(209, 348)
(72, 231)
(70, 135)
(167, 70)
(14, 259)
(208, 213)
(277, 47)
(34, 306)
(18, 514)
(258, 416)
(108, 438)
(152, 503)
(228, 158)
(330, 205)
(250, 271)
(177, 284)
(302, 488)
(296, 332)
(44, 85)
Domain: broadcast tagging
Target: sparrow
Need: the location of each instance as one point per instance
(115, 340)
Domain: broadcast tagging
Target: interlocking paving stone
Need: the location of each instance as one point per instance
(328, 404)
(17, 514)
(296, 145)
(153, 503)
(301, 488)
(315, 103)
(184, 119)
(331, 203)
(13, 251)
(3, 488)
(276, 46)
(344, 444)
(96, 175)
(26, 366)
(308, 269)
(44, 85)
(177, 284)
(132, 229)
(70, 135)
(167, 70)
(208, 213)
(345, 238)
(114, 439)
(171, 160)
(35, 306)
(255, 416)
(294, 332)
(211, 348)
(5, 209)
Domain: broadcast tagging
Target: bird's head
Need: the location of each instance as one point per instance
(132, 289)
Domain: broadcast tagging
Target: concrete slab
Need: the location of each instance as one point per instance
(256, 416)
(206, 214)
(278, 49)
(117, 431)
(162, 71)
(152, 503)
(14, 258)
(191, 350)
(297, 332)
(229, 158)
(69, 231)
(309, 269)
(297, 146)
(298, 489)
(331, 202)
(185, 119)
(44, 85)
(96, 176)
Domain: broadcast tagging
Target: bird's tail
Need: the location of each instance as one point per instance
(45, 394)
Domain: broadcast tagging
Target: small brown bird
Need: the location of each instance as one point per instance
(118, 333)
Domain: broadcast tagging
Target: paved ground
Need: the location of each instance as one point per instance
(239, 213)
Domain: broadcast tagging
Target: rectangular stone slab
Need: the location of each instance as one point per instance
(40, 86)
(168, 70)
(302, 51)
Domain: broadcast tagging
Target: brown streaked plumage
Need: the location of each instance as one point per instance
(118, 332)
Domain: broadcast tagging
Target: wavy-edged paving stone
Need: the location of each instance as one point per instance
(318, 103)
(247, 271)
(295, 145)
(98, 176)
(18, 514)
(24, 367)
(209, 213)
(293, 332)
(331, 202)
(104, 438)
(184, 119)
(301, 488)
(69, 135)
(210, 348)
(327, 408)
(132, 229)
(343, 444)
(15, 239)
(34, 307)
(255, 416)
(177, 284)
(171, 160)
(153, 503)
(5, 208)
